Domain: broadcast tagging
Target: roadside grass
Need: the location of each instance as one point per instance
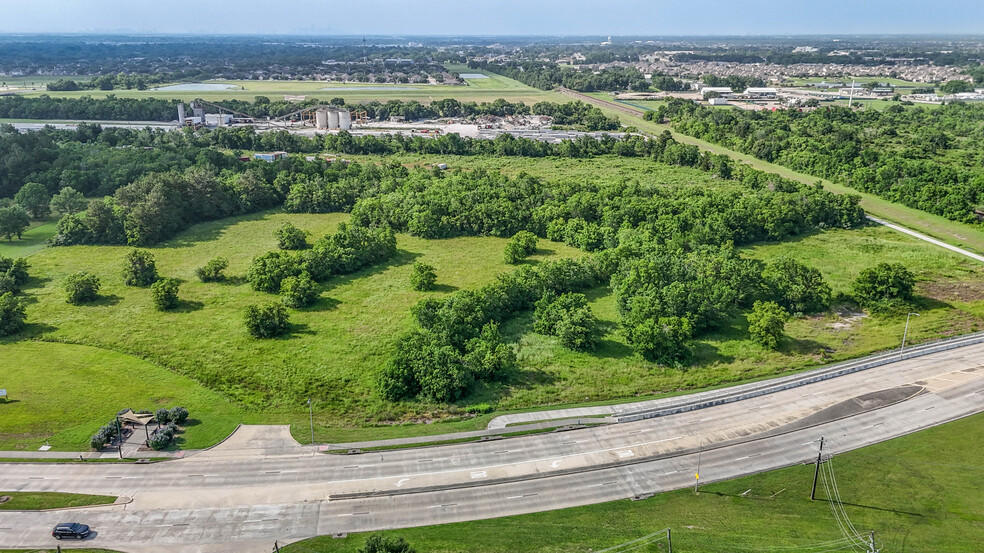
(31, 241)
(917, 493)
(35, 501)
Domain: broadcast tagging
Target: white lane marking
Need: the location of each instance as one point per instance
(444, 505)
(354, 514)
(634, 432)
(479, 474)
(671, 472)
(603, 484)
(761, 406)
(402, 481)
(555, 464)
(626, 453)
(521, 496)
(873, 425)
(930, 407)
(748, 456)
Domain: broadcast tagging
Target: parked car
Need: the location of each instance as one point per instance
(71, 530)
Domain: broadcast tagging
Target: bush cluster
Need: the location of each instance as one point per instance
(266, 320)
(299, 291)
(162, 436)
(139, 269)
(350, 249)
(520, 246)
(104, 436)
(885, 286)
(164, 293)
(81, 287)
(13, 315)
(457, 340)
(290, 237)
(13, 274)
(212, 271)
(422, 277)
(567, 317)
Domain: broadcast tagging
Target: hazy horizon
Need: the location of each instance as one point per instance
(503, 18)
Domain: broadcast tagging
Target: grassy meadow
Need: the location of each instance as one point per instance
(75, 366)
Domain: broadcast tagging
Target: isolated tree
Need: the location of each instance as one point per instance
(13, 315)
(212, 271)
(81, 287)
(34, 198)
(267, 320)
(140, 269)
(164, 293)
(299, 291)
(766, 323)
(14, 220)
(578, 330)
(290, 237)
(422, 276)
(884, 285)
(68, 201)
(520, 246)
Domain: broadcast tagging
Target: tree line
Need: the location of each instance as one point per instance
(926, 159)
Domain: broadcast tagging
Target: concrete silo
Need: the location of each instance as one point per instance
(321, 119)
(344, 119)
(332, 118)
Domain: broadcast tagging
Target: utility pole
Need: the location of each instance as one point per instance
(871, 543)
(669, 541)
(697, 474)
(906, 332)
(816, 473)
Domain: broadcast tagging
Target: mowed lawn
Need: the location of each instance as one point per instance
(917, 493)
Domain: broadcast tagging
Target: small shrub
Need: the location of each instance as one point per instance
(16, 269)
(13, 315)
(520, 246)
(885, 284)
(299, 291)
(422, 277)
(97, 441)
(81, 287)
(140, 269)
(380, 543)
(266, 321)
(178, 415)
(164, 293)
(212, 271)
(162, 416)
(290, 237)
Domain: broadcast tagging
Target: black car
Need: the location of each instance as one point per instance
(70, 530)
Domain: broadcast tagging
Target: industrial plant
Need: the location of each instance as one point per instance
(320, 117)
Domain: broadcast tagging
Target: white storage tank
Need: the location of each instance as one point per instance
(321, 119)
(333, 119)
(344, 120)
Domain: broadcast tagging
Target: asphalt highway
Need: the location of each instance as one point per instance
(260, 486)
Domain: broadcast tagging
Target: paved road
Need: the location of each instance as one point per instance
(260, 485)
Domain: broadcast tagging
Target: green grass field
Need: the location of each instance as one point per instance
(35, 501)
(119, 352)
(917, 493)
(32, 240)
(476, 90)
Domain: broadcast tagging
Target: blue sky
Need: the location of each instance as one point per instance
(514, 17)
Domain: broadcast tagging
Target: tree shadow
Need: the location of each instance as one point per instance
(324, 303)
(402, 257)
(883, 509)
(235, 280)
(190, 422)
(30, 331)
(103, 300)
(212, 230)
(796, 346)
(187, 306)
(446, 288)
(705, 354)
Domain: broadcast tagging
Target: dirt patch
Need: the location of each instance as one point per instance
(5, 498)
(952, 290)
(847, 318)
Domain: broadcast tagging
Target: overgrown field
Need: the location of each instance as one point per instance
(917, 493)
(200, 355)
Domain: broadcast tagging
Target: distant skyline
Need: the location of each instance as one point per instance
(501, 17)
